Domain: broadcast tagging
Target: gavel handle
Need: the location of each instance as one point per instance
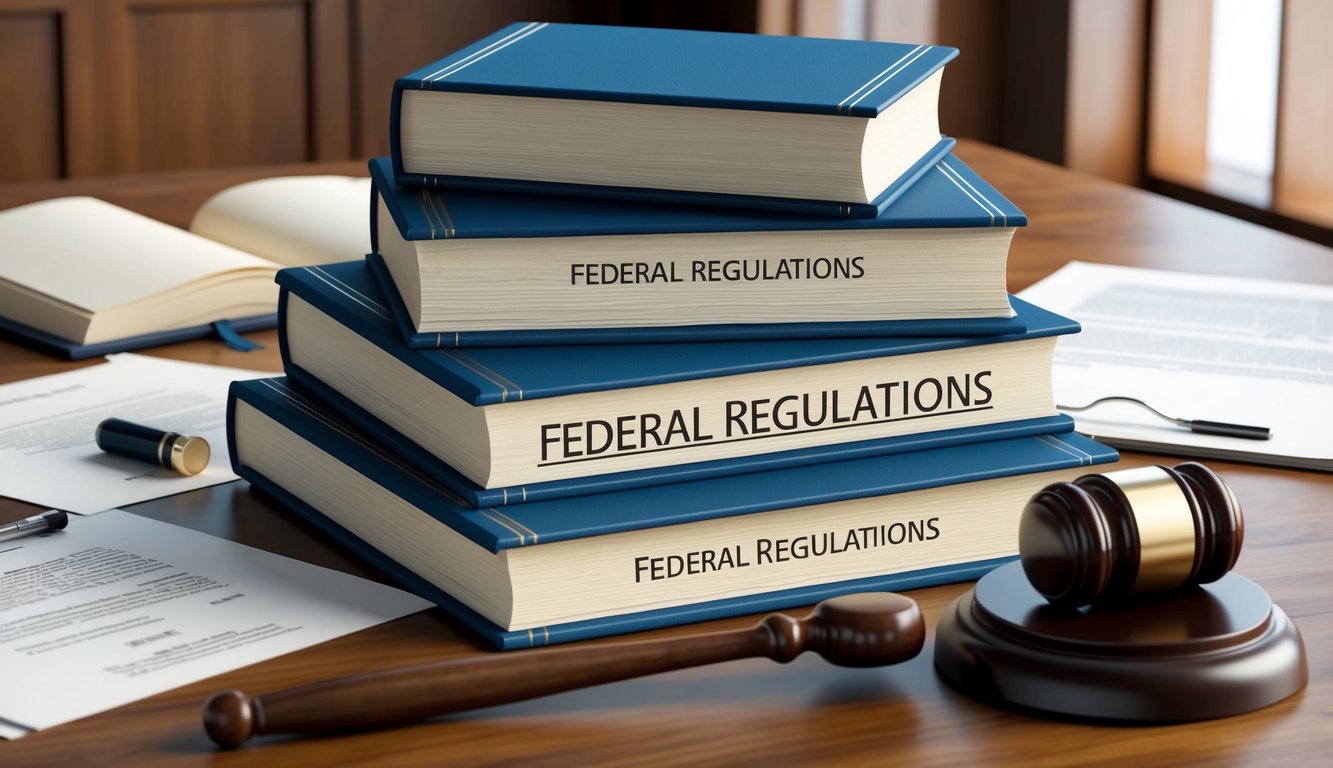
(396, 696)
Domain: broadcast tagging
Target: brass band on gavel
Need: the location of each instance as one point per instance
(1130, 532)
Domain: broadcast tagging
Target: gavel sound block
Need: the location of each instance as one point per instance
(1123, 607)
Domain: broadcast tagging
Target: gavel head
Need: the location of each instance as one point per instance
(1129, 533)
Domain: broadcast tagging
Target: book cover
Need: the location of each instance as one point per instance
(491, 375)
(678, 68)
(685, 68)
(543, 523)
(949, 194)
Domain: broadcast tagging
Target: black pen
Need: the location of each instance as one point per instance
(183, 454)
(47, 521)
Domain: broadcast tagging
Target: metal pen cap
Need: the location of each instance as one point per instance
(183, 454)
(47, 521)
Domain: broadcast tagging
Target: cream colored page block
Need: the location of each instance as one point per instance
(867, 276)
(94, 255)
(1019, 377)
(605, 574)
(640, 145)
(292, 220)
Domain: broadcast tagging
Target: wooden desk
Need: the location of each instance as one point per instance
(752, 711)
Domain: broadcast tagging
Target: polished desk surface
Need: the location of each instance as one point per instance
(749, 711)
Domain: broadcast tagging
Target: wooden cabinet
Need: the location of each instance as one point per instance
(100, 87)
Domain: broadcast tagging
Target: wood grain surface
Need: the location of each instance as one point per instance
(752, 711)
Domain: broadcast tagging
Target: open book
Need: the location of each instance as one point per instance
(80, 277)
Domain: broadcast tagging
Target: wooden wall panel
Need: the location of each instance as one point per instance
(394, 37)
(216, 83)
(31, 137)
(219, 86)
(1303, 177)
(1178, 89)
(1104, 114)
(971, 91)
(971, 95)
(47, 65)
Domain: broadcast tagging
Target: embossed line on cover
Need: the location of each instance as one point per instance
(441, 213)
(1083, 456)
(513, 525)
(484, 369)
(350, 292)
(960, 181)
(879, 80)
(504, 390)
(476, 56)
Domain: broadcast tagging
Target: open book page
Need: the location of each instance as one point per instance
(1224, 349)
(292, 220)
(94, 255)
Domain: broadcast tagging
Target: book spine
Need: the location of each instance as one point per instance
(375, 219)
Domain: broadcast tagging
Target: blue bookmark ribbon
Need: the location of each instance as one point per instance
(231, 338)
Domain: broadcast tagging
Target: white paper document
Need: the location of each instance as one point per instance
(119, 607)
(47, 451)
(1255, 352)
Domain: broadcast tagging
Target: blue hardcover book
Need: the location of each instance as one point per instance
(566, 569)
(803, 125)
(511, 416)
(471, 268)
(476, 496)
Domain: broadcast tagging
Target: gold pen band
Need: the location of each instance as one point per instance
(189, 454)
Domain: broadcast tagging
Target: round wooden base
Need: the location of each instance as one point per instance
(1212, 651)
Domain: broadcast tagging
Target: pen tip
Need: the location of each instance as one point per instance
(56, 519)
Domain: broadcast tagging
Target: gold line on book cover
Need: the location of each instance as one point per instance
(516, 523)
(350, 292)
(518, 388)
(522, 537)
(453, 355)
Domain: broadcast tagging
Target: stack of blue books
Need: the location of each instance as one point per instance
(661, 326)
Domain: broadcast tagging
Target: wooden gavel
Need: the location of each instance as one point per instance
(1130, 533)
(864, 630)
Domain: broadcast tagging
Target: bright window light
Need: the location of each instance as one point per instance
(1242, 88)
